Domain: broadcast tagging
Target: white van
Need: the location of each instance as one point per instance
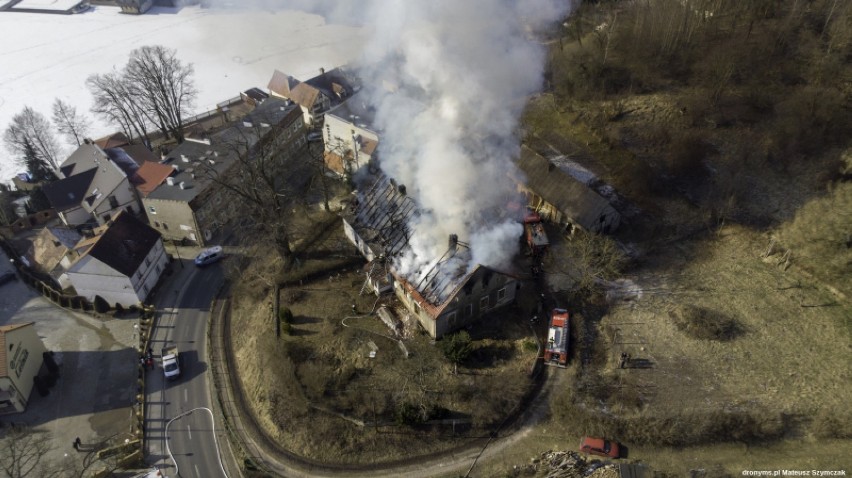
(209, 256)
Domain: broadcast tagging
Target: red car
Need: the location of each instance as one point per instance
(600, 447)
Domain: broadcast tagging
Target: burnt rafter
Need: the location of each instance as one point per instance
(444, 275)
(388, 212)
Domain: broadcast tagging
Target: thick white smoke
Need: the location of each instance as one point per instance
(449, 79)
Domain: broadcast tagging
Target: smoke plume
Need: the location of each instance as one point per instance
(449, 79)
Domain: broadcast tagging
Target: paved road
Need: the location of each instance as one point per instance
(178, 420)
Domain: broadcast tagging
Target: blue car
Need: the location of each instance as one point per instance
(209, 256)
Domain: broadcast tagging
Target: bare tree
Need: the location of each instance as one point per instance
(114, 101)
(31, 126)
(23, 454)
(587, 262)
(267, 177)
(71, 124)
(163, 85)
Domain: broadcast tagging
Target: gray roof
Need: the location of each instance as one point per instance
(84, 157)
(194, 158)
(355, 110)
(337, 83)
(69, 192)
(568, 195)
(124, 244)
(67, 237)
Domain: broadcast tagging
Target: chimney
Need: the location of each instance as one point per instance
(183, 184)
(322, 71)
(402, 190)
(170, 181)
(454, 242)
(184, 158)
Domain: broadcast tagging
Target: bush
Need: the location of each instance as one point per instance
(291, 296)
(705, 324)
(101, 305)
(456, 347)
(285, 315)
(409, 414)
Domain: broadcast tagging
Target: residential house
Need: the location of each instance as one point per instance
(316, 95)
(348, 135)
(254, 96)
(21, 357)
(560, 198)
(51, 252)
(135, 7)
(121, 263)
(94, 185)
(453, 292)
(192, 206)
(25, 182)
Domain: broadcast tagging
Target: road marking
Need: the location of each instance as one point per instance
(196, 470)
(185, 395)
(189, 431)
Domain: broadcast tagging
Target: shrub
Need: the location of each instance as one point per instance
(291, 296)
(285, 315)
(705, 324)
(408, 414)
(456, 347)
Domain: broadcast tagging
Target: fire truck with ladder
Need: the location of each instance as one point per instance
(556, 348)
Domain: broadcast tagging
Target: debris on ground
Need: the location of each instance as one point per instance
(565, 464)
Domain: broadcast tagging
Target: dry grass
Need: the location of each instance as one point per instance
(781, 374)
(703, 323)
(313, 388)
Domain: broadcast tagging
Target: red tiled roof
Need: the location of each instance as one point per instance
(152, 175)
(114, 140)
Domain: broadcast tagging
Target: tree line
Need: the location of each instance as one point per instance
(153, 91)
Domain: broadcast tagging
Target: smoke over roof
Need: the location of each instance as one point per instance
(449, 79)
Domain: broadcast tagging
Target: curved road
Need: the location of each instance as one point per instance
(177, 425)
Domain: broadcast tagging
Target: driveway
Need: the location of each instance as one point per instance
(97, 357)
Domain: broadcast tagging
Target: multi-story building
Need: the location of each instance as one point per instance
(191, 204)
(95, 184)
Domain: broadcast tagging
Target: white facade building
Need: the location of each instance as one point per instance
(122, 264)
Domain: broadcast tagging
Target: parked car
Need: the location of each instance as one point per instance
(600, 447)
(7, 276)
(315, 136)
(209, 256)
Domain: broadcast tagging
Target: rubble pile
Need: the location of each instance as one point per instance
(565, 464)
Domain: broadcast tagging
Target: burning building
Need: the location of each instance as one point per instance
(446, 292)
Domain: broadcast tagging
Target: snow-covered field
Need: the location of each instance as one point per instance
(47, 4)
(45, 56)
